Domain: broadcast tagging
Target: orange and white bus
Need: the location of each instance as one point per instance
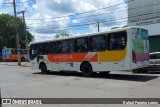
(123, 49)
(13, 55)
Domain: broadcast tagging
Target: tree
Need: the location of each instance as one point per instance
(62, 35)
(8, 31)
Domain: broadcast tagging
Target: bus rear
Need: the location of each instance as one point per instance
(140, 48)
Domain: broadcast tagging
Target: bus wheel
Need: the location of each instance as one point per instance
(43, 68)
(86, 70)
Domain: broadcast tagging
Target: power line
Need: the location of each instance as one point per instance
(94, 11)
(103, 13)
(124, 18)
(114, 11)
(130, 9)
(84, 12)
(6, 3)
(83, 16)
(33, 2)
(63, 29)
(74, 14)
(133, 16)
(30, 3)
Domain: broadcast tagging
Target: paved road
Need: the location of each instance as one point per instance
(23, 82)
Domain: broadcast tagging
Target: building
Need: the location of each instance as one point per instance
(146, 13)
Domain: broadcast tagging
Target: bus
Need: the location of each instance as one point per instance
(122, 49)
(0, 54)
(13, 55)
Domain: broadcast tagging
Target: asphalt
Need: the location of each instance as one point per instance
(23, 82)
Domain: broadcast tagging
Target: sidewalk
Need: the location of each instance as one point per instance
(23, 64)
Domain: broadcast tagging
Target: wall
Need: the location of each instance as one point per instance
(146, 13)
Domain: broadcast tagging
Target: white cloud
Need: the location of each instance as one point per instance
(75, 21)
(1, 1)
(49, 9)
(5, 8)
(43, 37)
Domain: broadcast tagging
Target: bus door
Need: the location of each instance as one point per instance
(42, 52)
(33, 53)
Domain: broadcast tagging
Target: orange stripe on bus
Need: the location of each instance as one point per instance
(74, 57)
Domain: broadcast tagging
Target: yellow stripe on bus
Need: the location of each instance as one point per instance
(112, 56)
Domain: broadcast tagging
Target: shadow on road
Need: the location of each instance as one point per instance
(125, 77)
(154, 72)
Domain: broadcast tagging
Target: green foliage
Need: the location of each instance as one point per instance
(8, 31)
(62, 35)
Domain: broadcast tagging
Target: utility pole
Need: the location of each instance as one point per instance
(17, 35)
(26, 36)
(98, 26)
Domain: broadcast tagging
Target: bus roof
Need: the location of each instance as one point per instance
(86, 35)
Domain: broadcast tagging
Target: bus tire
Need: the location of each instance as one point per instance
(43, 68)
(86, 69)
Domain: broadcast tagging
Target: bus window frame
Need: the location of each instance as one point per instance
(86, 40)
(68, 45)
(50, 47)
(105, 46)
(44, 44)
(108, 43)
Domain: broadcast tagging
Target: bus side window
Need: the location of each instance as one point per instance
(97, 43)
(55, 47)
(158, 56)
(81, 45)
(22, 51)
(116, 41)
(14, 51)
(43, 48)
(25, 51)
(68, 46)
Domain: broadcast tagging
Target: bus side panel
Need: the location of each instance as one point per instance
(112, 56)
(34, 64)
(71, 61)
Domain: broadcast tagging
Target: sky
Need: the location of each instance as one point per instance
(45, 18)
